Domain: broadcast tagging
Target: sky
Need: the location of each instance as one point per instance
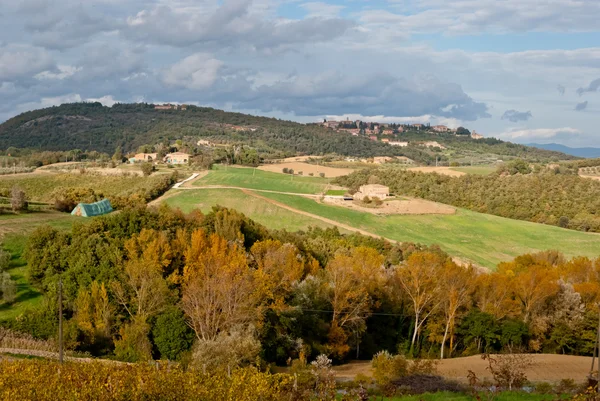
(519, 70)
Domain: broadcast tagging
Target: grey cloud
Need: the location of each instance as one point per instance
(592, 87)
(231, 24)
(22, 62)
(581, 106)
(561, 89)
(516, 116)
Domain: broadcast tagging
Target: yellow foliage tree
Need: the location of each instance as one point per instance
(93, 311)
(217, 286)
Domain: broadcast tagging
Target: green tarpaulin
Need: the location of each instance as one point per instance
(92, 209)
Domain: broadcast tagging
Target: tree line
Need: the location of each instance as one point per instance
(220, 290)
(547, 197)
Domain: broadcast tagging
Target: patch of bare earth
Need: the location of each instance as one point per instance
(593, 177)
(405, 206)
(307, 169)
(439, 170)
(545, 367)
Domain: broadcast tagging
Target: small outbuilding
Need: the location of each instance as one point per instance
(93, 209)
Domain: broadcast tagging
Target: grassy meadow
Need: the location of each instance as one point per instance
(482, 238)
(263, 212)
(265, 180)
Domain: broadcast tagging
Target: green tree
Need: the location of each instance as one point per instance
(171, 335)
(118, 155)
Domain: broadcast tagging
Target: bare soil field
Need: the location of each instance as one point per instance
(545, 367)
(405, 206)
(439, 170)
(306, 169)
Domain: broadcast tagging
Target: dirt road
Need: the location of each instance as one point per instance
(314, 216)
(544, 367)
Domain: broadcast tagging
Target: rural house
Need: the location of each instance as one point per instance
(143, 157)
(372, 191)
(177, 158)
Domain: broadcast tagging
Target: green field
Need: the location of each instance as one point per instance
(257, 209)
(481, 238)
(257, 179)
(479, 170)
(336, 192)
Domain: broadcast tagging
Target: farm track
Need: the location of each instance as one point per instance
(314, 216)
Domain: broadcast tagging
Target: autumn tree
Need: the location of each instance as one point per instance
(456, 285)
(143, 291)
(94, 315)
(217, 286)
(351, 279)
(494, 295)
(418, 278)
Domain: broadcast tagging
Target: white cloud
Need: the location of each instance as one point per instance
(198, 71)
(539, 133)
(63, 71)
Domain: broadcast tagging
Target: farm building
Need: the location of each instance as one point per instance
(177, 158)
(143, 157)
(372, 191)
(92, 209)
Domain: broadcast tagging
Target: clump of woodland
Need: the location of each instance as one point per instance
(547, 196)
(219, 291)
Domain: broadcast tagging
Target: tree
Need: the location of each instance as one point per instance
(94, 313)
(147, 168)
(143, 291)
(351, 279)
(133, 344)
(171, 335)
(456, 286)
(462, 131)
(8, 287)
(218, 291)
(18, 200)
(418, 278)
(118, 155)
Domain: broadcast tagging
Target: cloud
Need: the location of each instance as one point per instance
(539, 133)
(322, 10)
(232, 24)
(465, 17)
(561, 89)
(23, 61)
(581, 106)
(198, 71)
(592, 87)
(516, 116)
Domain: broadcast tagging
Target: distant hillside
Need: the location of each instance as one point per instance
(91, 126)
(579, 152)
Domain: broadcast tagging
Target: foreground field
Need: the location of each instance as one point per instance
(264, 180)
(484, 239)
(544, 367)
(263, 212)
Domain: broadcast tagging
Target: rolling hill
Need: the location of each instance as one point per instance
(92, 126)
(579, 152)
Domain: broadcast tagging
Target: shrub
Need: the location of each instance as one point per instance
(508, 370)
(285, 170)
(322, 175)
(426, 383)
(8, 288)
(366, 200)
(133, 344)
(228, 351)
(291, 171)
(300, 173)
(543, 388)
(147, 168)
(377, 201)
(172, 336)
(311, 174)
(18, 200)
(563, 222)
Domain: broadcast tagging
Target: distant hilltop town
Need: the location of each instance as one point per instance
(382, 131)
(169, 106)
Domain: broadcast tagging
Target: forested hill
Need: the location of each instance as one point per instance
(92, 126)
